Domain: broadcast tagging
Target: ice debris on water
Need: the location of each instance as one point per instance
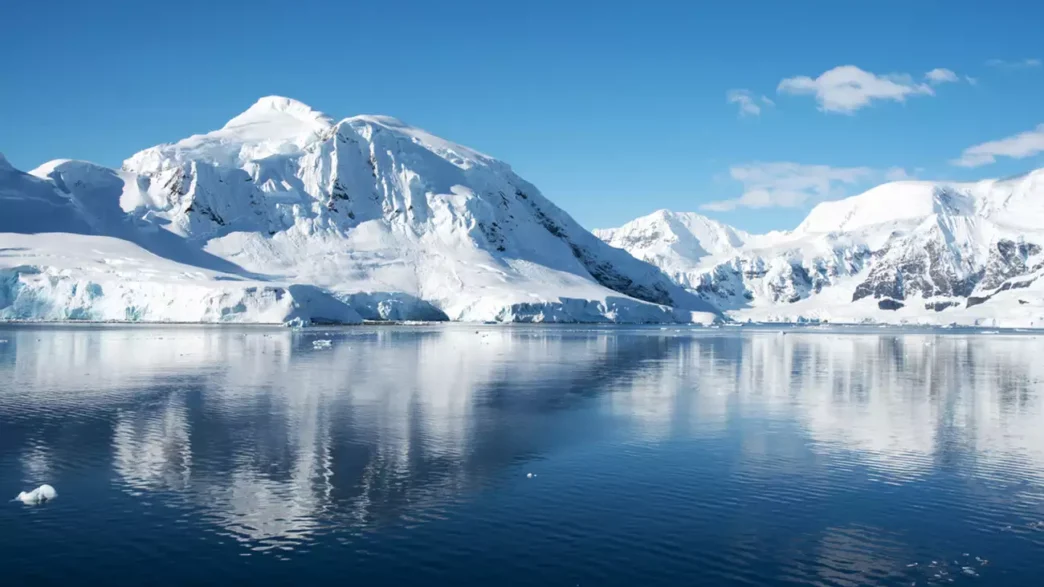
(321, 344)
(39, 495)
(940, 571)
(530, 475)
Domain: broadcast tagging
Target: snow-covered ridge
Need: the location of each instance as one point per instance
(1009, 202)
(284, 214)
(903, 252)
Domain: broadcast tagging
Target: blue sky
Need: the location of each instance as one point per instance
(613, 109)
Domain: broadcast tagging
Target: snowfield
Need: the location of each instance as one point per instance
(285, 215)
(909, 252)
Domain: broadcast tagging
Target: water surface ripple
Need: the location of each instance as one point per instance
(192, 455)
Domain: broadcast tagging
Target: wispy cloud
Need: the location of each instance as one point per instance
(1014, 64)
(1019, 146)
(790, 185)
(941, 75)
(847, 88)
(897, 174)
(747, 101)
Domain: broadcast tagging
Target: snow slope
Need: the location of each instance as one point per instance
(903, 252)
(365, 218)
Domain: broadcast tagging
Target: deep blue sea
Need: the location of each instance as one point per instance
(496, 455)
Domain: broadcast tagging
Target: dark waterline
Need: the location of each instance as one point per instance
(400, 456)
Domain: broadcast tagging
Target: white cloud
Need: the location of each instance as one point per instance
(941, 75)
(789, 185)
(1016, 64)
(972, 81)
(1020, 146)
(847, 88)
(896, 174)
(748, 104)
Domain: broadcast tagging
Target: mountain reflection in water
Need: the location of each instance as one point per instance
(662, 456)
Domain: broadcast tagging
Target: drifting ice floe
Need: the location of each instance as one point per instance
(321, 344)
(39, 495)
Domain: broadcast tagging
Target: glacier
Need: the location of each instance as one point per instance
(906, 252)
(285, 215)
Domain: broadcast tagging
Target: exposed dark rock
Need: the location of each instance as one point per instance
(976, 300)
(1007, 259)
(887, 304)
(929, 272)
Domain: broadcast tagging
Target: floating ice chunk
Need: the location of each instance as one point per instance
(321, 344)
(530, 475)
(39, 495)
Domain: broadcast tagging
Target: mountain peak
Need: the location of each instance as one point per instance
(281, 110)
(674, 240)
(4, 165)
(274, 125)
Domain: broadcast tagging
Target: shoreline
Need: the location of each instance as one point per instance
(406, 324)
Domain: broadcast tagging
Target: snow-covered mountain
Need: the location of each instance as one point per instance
(903, 252)
(286, 214)
(685, 233)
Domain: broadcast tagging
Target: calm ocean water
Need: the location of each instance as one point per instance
(403, 455)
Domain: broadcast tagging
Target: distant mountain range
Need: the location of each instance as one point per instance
(904, 252)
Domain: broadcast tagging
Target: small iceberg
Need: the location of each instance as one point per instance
(321, 344)
(39, 495)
